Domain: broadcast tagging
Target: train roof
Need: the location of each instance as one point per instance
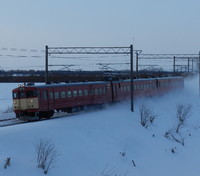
(97, 82)
(85, 83)
(71, 84)
(149, 79)
(175, 77)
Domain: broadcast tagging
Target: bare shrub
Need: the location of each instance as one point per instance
(172, 136)
(147, 115)
(133, 162)
(111, 172)
(46, 154)
(7, 162)
(8, 109)
(107, 171)
(182, 114)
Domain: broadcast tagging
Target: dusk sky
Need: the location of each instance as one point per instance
(154, 26)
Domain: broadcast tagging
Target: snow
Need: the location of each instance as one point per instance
(91, 143)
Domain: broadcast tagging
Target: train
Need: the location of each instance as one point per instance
(34, 102)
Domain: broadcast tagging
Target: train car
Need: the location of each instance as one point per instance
(142, 87)
(35, 102)
(169, 83)
(145, 87)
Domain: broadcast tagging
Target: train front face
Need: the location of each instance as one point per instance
(25, 103)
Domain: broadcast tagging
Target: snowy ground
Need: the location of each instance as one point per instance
(92, 143)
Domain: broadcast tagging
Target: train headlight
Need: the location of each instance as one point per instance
(31, 101)
(14, 102)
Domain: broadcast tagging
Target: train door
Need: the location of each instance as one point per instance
(114, 91)
(51, 101)
(47, 99)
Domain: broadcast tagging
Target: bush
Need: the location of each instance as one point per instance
(111, 172)
(174, 137)
(46, 154)
(147, 115)
(182, 114)
(8, 109)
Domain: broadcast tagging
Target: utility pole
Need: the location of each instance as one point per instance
(174, 64)
(46, 64)
(137, 64)
(199, 72)
(132, 88)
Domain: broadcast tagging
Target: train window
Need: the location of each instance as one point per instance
(75, 93)
(128, 88)
(100, 91)
(62, 94)
(85, 92)
(56, 95)
(134, 87)
(96, 92)
(125, 88)
(91, 91)
(22, 95)
(137, 87)
(45, 94)
(114, 89)
(104, 90)
(51, 95)
(80, 93)
(31, 94)
(69, 94)
(15, 95)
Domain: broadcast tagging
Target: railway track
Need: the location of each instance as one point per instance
(10, 122)
(14, 121)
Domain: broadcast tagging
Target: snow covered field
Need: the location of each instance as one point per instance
(107, 142)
